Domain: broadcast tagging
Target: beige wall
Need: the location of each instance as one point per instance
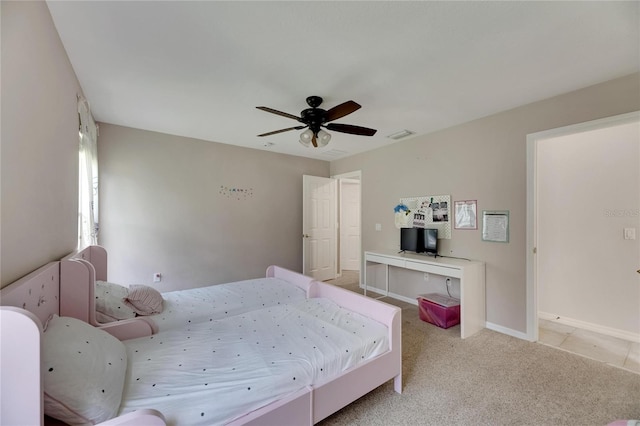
(482, 160)
(39, 151)
(164, 208)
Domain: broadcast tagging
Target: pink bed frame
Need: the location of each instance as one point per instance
(28, 303)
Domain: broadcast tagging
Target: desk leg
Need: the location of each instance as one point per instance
(365, 278)
(386, 280)
(384, 291)
(472, 302)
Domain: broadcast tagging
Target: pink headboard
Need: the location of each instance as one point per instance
(38, 292)
(43, 293)
(97, 256)
(27, 305)
(77, 298)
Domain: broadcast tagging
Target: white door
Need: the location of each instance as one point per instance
(350, 224)
(319, 227)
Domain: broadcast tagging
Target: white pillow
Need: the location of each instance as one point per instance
(84, 370)
(144, 300)
(110, 304)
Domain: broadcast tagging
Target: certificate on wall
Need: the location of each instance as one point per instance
(495, 225)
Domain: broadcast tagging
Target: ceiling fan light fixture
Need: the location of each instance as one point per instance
(313, 118)
(305, 137)
(323, 138)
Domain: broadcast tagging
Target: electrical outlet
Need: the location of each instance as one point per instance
(157, 277)
(426, 276)
(629, 233)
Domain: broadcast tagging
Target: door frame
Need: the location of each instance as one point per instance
(532, 229)
(355, 175)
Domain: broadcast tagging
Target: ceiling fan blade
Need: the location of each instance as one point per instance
(275, 111)
(341, 110)
(348, 128)
(282, 130)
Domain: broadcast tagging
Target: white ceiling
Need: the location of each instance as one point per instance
(199, 69)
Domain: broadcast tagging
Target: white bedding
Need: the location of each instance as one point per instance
(212, 372)
(184, 307)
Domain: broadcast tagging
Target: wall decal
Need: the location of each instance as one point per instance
(235, 192)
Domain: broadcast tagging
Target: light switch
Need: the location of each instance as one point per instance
(629, 233)
(378, 227)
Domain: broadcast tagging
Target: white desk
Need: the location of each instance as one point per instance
(471, 275)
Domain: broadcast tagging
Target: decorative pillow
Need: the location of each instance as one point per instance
(144, 300)
(109, 302)
(84, 370)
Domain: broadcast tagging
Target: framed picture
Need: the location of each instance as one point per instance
(495, 226)
(465, 214)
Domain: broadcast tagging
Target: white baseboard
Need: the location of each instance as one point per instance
(404, 298)
(379, 292)
(383, 293)
(597, 328)
(507, 331)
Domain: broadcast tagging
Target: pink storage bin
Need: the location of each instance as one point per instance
(438, 309)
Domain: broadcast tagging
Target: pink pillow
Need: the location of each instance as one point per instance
(144, 300)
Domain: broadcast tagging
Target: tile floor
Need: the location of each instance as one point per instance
(611, 350)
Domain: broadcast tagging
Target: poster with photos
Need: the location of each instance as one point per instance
(431, 211)
(440, 211)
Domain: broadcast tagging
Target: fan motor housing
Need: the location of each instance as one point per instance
(314, 117)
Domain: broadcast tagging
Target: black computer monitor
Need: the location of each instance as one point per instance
(430, 241)
(410, 240)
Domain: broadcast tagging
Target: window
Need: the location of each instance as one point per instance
(88, 177)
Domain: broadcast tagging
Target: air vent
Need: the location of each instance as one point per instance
(334, 153)
(400, 135)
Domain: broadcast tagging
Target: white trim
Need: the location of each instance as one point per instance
(355, 175)
(403, 298)
(587, 126)
(532, 140)
(531, 241)
(607, 331)
(382, 293)
(508, 331)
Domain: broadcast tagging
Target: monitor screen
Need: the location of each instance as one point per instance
(430, 238)
(409, 240)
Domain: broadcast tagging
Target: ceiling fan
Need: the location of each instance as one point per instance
(317, 118)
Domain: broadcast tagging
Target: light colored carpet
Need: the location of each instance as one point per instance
(491, 379)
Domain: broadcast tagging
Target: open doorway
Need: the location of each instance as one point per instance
(349, 228)
(583, 194)
(331, 228)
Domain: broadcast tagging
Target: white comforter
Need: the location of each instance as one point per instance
(213, 372)
(184, 307)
